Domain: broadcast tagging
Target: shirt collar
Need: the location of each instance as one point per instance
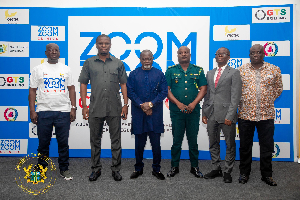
(97, 57)
(261, 68)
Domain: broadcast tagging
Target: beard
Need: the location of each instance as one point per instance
(147, 66)
(103, 53)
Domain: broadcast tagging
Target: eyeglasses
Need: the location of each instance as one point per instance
(257, 52)
(221, 54)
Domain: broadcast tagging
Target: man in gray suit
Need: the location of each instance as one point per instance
(219, 111)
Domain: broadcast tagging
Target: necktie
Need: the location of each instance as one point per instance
(218, 77)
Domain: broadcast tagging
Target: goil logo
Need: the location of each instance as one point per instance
(271, 49)
(9, 17)
(3, 48)
(10, 114)
(230, 33)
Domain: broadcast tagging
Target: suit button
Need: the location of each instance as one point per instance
(186, 75)
(185, 88)
(185, 96)
(185, 81)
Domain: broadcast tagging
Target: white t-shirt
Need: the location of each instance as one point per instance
(52, 81)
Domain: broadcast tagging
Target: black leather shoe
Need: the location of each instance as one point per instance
(173, 171)
(158, 175)
(117, 176)
(196, 172)
(94, 175)
(269, 181)
(243, 178)
(136, 174)
(213, 174)
(227, 178)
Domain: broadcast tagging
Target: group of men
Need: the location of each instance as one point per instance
(251, 89)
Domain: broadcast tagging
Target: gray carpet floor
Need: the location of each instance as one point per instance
(183, 186)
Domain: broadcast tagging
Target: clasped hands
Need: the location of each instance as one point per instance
(186, 109)
(146, 108)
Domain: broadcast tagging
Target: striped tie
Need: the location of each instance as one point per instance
(218, 77)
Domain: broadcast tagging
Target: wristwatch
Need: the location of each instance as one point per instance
(74, 107)
(150, 104)
(126, 104)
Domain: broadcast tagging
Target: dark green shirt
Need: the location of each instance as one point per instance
(185, 85)
(105, 78)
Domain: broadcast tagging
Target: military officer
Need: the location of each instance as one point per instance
(186, 88)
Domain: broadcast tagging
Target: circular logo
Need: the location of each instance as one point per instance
(260, 14)
(2, 81)
(10, 114)
(277, 152)
(33, 178)
(270, 49)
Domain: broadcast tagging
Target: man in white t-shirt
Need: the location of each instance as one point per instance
(52, 85)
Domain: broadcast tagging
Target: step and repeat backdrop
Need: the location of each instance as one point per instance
(25, 32)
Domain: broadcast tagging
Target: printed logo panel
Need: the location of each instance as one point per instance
(128, 41)
(47, 33)
(14, 81)
(14, 113)
(274, 48)
(282, 116)
(271, 15)
(14, 16)
(281, 150)
(13, 146)
(233, 62)
(14, 49)
(33, 131)
(231, 32)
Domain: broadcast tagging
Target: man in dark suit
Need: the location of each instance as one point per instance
(147, 87)
(220, 112)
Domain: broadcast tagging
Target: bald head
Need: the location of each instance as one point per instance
(51, 45)
(257, 46)
(184, 55)
(146, 51)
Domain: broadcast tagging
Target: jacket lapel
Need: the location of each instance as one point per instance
(224, 74)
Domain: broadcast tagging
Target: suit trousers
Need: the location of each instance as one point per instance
(61, 122)
(182, 122)
(265, 130)
(213, 129)
(140, 142)
(96, 131)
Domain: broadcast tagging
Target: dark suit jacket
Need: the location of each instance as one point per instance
(222, 101)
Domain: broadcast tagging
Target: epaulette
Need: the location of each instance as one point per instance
(197, 66)
(171, 66)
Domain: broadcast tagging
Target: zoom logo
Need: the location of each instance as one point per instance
(191, 39)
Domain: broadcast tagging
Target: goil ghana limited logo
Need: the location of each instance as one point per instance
(271, 49)
(35, 178)
(10, 114)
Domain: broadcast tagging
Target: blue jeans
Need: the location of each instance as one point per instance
(61, 122)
